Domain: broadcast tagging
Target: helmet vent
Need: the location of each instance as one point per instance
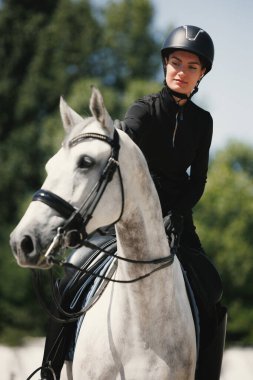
(192, 38)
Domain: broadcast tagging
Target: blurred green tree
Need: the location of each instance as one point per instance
(225, 223)
(130, 47)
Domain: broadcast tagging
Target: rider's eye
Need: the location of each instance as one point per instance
(85, 162)
(192, 68)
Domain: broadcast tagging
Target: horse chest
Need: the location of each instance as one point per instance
(127, 345)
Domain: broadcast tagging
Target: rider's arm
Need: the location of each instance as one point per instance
(135, 120)
(198, 170)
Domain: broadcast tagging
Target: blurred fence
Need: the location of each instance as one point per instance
(19, 362)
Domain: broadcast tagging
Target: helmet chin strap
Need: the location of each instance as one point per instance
(181, 96)
(178, 94)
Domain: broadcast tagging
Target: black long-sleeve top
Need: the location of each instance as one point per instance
(175, 141)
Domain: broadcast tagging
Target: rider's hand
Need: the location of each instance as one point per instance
(173, 224)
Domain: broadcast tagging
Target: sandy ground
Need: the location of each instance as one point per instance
(19, 362)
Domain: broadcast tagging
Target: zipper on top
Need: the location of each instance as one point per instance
(179, 117)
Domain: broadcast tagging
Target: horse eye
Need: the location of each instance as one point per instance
(85, 162)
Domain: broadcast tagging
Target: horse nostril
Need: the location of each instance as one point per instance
(27, 245)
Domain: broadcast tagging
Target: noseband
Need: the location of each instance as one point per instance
(73, 231)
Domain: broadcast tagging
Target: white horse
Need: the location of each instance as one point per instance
(136, 331)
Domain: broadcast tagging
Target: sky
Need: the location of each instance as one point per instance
(226, 92)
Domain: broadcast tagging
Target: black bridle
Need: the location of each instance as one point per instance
(73, 232)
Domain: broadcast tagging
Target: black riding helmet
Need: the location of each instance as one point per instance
(192, 39)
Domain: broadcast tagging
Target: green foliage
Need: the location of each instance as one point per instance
(19, 315)
(136, 89)
(63, 54)
(131, 51)
(225, 218)
(20, 26)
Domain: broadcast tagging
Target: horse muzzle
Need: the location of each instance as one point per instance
(28, 251)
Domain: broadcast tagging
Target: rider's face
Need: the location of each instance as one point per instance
(183, 70)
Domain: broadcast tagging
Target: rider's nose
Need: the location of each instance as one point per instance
(181, 71)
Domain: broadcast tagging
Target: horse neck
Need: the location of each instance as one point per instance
(141, 236)
(141, 233)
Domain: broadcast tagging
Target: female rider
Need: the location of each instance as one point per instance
(175, 136)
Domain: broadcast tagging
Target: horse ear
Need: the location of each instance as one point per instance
(98, 109)
(69, 117)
